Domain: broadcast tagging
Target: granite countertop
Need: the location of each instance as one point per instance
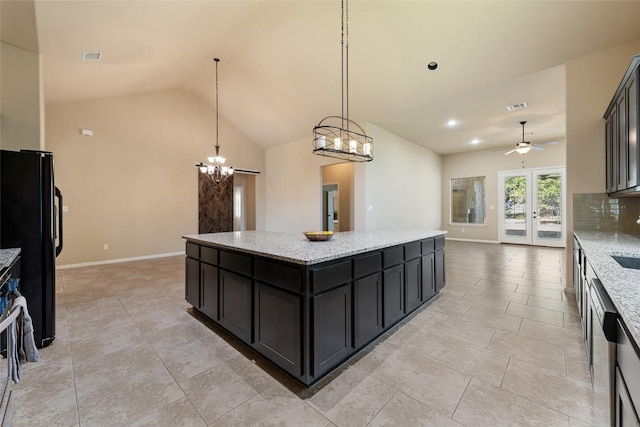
(7, 256)
(297, 249)
(622, 284)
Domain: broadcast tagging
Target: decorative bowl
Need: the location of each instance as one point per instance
(318, 236)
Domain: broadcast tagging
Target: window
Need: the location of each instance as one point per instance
(468, 200)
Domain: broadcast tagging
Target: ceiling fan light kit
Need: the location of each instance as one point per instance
(524, 147)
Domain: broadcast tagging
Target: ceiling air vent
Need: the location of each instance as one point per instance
(91, 56)
(515, 107)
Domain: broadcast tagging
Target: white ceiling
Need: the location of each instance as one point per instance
(280, 61)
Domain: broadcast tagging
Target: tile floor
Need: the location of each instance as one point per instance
(500, 346)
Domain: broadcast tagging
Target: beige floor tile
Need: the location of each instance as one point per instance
(275, 406)
(42, 382)
(402, 409)
(538, 292)
(534, 313)
(423, 341)
(503, 295)
(449, 293)
(449, 307)
(577, 364)
(564, 394)
(225, 386)
(177, 413)
(427, 381)
(53, 409)
(351, 398)
(115, 336)
(187, 350)
(466, 289)
(496, 285)
(503, 322)
(561, 336)
(374, 356)
(487, 405)
(459, 277)
(487, 365)
(540, 353)
(572, 321)
(553, 304)
(460, 329)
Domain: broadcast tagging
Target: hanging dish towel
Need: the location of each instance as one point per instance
(29, 343)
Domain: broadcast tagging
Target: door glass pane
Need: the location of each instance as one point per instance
(549, 215)
(515, 206)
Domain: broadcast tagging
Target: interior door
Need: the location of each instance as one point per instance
(532, 207)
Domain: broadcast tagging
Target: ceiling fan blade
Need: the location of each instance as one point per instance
(547, 143)
(535, 147)
(509, 152)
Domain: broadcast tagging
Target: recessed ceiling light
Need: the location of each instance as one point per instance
(475, 141)
(91, 56)
(432, 65)
(452, 122)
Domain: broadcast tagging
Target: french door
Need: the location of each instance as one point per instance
(531, 206)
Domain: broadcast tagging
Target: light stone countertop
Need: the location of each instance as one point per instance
(297, 249)
(7, 256)
(622, 284)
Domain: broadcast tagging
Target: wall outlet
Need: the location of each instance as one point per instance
(105, 247)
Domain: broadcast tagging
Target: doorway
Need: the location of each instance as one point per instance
(244, 202)
(337, 197)
(531, 210)
(330, 207)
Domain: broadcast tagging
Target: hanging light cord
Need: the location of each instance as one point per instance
(217, 114)
(344, 69)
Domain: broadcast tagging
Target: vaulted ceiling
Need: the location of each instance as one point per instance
(280, 61)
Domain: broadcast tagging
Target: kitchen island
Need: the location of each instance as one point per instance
(309, 306)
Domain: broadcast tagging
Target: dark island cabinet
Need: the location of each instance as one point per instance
(209, 290)
(393, 289)
(367, 310)
(331, 328)
(278, 327)
(621, 135)
(627, 391)
(309, 318)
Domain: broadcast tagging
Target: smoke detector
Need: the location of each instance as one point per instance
(515, 107)
(91, 56)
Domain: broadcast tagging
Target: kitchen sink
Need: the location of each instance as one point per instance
(627, 261)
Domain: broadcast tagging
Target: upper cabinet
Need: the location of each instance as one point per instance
(621, 135)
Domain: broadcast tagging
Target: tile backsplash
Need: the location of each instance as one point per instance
(596, 211)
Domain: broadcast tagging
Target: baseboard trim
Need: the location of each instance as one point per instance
(457, 239)
(116, 261)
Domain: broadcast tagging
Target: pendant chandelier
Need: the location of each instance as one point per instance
(338, 136)
(215, 168)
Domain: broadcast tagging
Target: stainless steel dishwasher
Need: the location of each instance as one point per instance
(601, 342)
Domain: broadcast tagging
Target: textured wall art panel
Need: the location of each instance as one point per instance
(215, 205)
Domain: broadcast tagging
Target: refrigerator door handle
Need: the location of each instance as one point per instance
(59, 196)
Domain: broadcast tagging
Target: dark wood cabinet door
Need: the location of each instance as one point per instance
(428, 284)
(631, 91)
(622, 141)
(610, 156)
(235, 304)
(439, 272)
(367, 306)
(412, 285)
(209, 290)
(277, 327)
(192, 282)
(393, 295)
(331, 328)
(625, 415)
(614, 149)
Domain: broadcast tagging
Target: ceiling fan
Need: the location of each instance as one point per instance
(523, 147)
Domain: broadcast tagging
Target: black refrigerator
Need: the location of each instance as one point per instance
(31, 219)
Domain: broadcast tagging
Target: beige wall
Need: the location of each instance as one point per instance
(591, 83)
(133, 185)
(488, 163)
(19, 98)
(402, 185)
(341, 174)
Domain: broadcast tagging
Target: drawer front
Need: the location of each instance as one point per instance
(209, 255)
(235, 262)
(368, 264)
(328, 277)
(193, 250)
(393, 256)
(283, 276)
(428, 246)
(439, 242)
(629, 364)
(412, 250)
